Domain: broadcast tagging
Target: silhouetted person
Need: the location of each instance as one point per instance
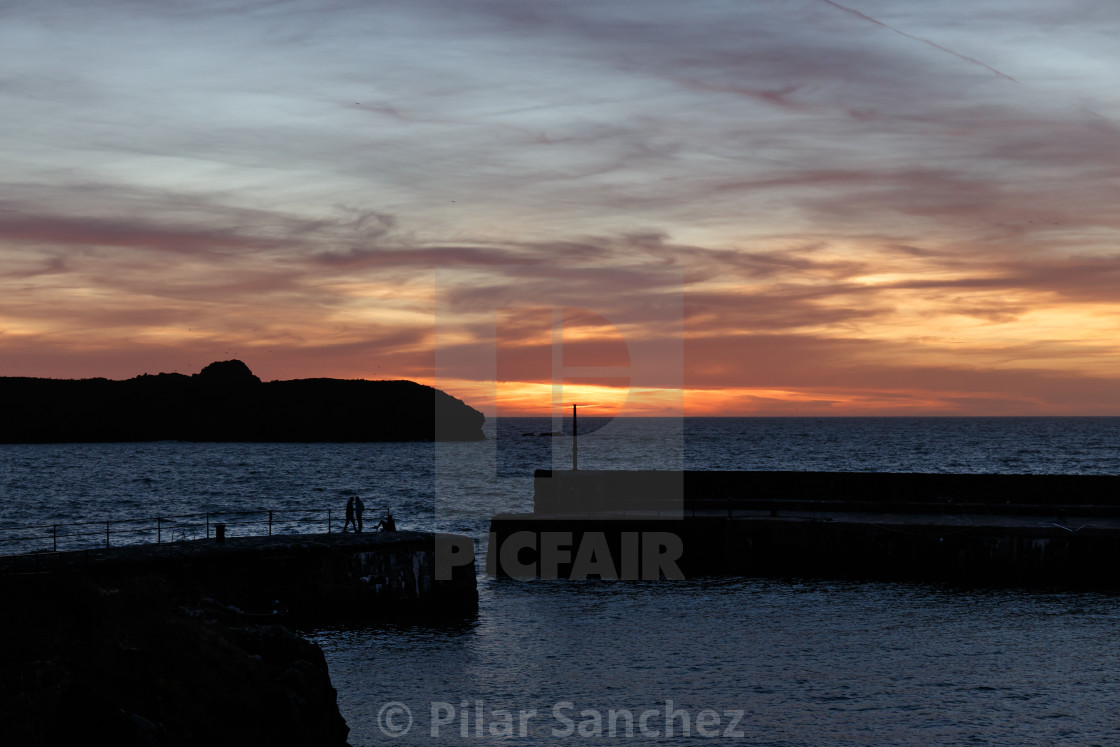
(359, 509)
(388, 524)
(349, 514)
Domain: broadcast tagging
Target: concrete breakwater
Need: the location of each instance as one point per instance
(1055, 530)
(591, 491)
(313, 577)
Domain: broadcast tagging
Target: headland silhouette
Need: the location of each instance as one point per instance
(227, 402)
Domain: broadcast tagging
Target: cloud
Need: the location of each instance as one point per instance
(858, 217)
(56, 230)
(853, 366)
(423, 257)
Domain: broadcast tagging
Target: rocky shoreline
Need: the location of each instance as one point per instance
(127, 662)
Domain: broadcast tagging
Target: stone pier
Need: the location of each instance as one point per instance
(313, 577)
(1048, 530)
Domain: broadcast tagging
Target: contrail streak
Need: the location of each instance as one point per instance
(877, 22)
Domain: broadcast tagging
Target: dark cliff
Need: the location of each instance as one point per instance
(126, 662)
(226, 402)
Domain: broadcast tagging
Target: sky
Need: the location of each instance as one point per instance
(797, 207)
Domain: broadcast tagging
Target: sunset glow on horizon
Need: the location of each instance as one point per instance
(771, 208)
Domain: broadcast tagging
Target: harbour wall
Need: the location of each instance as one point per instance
(312, 577)
(1050, 530)
(594, 491)
(1001, 550)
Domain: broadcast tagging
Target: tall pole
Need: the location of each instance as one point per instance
(575, 439)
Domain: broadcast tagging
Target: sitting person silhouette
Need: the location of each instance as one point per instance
(388, 524)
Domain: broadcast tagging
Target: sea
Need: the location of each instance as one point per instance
(760, 661)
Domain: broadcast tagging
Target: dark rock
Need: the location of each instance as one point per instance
(228, 373)
(83, 663)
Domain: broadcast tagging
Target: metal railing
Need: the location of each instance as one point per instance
(85, 535)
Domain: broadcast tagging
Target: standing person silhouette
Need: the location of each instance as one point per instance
(349, 514)
(359, 508)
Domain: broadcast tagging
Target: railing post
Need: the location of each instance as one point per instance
(159, 531)
(106, 534)
(207, 525)
(54, 533)
(328, 521)
(270, 522)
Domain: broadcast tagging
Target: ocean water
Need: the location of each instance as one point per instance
(755, 661)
